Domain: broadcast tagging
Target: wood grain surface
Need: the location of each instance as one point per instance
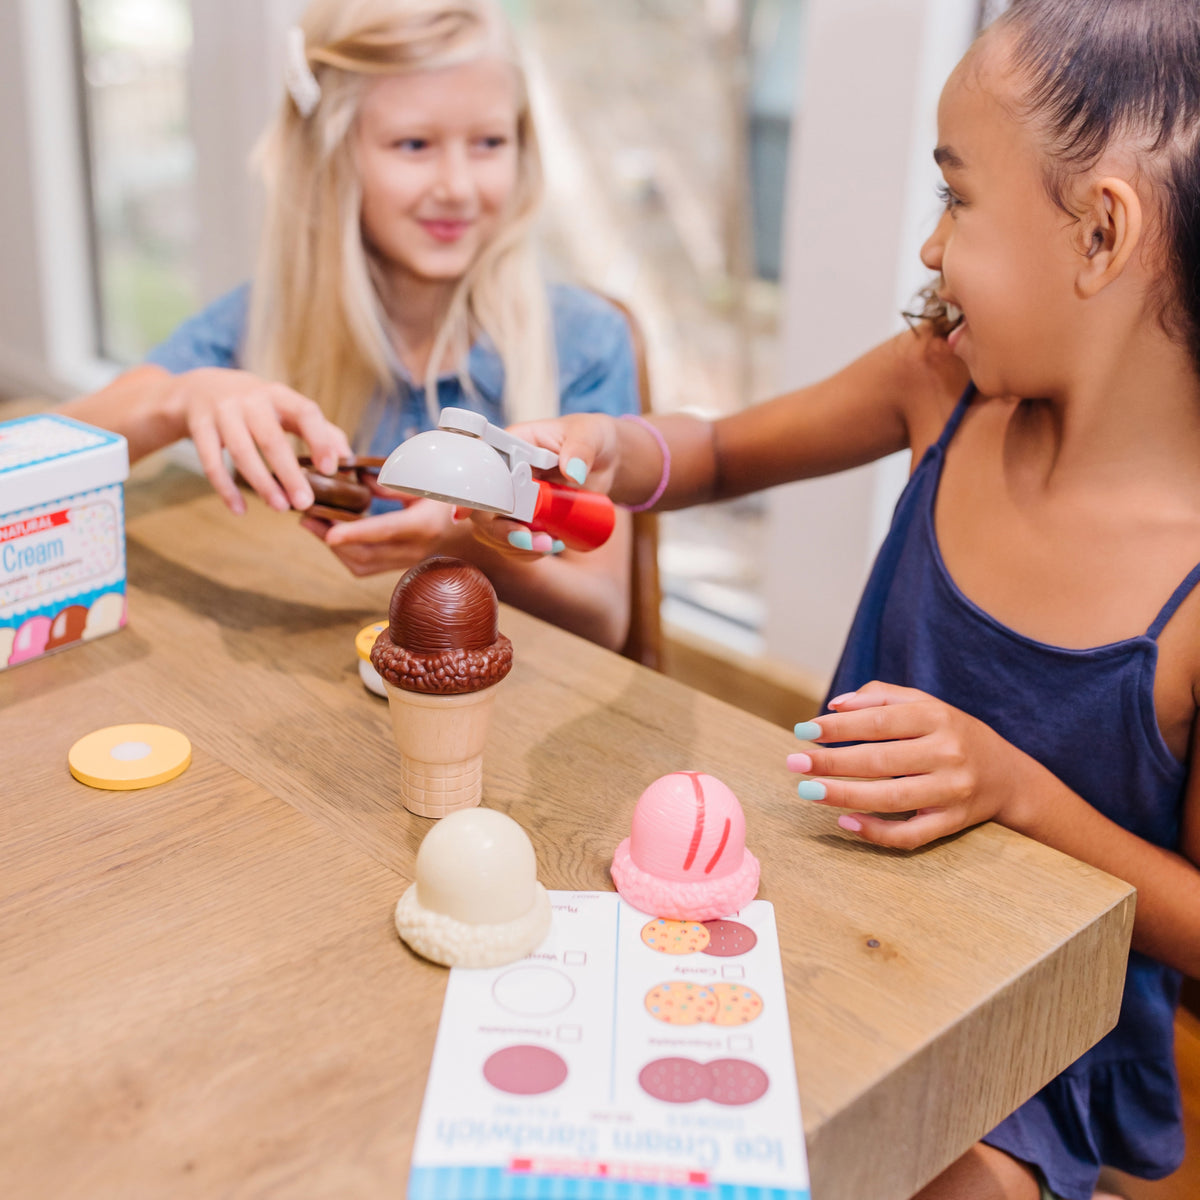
(201, 993)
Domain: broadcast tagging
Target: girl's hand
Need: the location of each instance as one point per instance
(586, 444)
(391, 541)
(917, 755)
(239, 412)
(507, 536)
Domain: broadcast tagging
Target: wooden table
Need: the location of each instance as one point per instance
(201, 992)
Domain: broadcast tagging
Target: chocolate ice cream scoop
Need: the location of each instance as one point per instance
(442, 634)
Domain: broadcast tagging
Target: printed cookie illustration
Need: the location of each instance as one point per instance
(681, 1003)
(735, 1004)
(525, 1070)
(727, 939)
(736, 1081)
(675, 1080)
(675, 937)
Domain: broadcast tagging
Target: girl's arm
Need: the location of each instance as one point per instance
(1167, 920)
(220, 409)
(895, 396)
(951, 771)
(587, 593)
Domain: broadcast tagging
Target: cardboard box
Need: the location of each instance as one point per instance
(62, 535)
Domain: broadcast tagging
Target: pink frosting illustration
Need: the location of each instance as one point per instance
(686, 856)
(30, 640)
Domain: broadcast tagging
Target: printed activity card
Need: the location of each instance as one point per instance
(628, 1056)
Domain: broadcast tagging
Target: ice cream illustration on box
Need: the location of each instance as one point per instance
(62, 535)
(686, 856)
(441, 659)
(476, 901)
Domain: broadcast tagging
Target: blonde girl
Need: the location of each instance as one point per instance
(396, 276)
(1027, 649)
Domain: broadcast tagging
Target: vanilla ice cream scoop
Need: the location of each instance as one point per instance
(686, 856)
(476, 901)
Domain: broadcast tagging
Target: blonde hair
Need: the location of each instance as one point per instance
(316, 315)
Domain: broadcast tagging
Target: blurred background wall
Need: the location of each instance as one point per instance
(752, 176)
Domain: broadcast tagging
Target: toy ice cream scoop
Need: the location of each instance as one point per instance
(441, 658)
(686, 856)
(476, 901)
(472, 463)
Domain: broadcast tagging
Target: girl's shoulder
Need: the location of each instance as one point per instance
(588, 329)
(210, 338)
(932, 382)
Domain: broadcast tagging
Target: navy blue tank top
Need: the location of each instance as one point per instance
(1088, 716)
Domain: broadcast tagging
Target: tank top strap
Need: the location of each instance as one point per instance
(1178, 596)
(956, 417)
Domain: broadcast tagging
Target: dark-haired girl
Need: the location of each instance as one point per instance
(1028, 646)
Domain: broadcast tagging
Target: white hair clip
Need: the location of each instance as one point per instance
(301, 83)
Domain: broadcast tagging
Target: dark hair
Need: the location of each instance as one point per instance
(1103, 69)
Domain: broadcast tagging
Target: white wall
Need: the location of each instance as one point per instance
(46, 310)
(861, 200)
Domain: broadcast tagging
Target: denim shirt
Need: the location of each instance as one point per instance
(596, 370)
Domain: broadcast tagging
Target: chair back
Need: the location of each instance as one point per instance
(644, 643)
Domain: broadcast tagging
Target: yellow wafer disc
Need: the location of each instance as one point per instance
(123, 757)
(365, 639)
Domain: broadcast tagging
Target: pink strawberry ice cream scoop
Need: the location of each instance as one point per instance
(686, 856)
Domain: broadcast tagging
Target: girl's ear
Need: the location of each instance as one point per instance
(1110, 230)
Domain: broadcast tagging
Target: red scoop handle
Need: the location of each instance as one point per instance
(582, 520)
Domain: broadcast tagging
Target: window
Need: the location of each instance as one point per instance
(671, 198)
(141, 169)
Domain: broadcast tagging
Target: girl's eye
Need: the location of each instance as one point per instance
(947, 197)
(494, 142)
(410, 145)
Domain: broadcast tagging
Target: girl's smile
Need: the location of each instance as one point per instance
(442, 230)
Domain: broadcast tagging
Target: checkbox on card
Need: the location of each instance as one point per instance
(574, 958)
(570, 1033)
(733, 972)
(740, 1041)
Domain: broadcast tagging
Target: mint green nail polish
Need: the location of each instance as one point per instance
(810, 789)
(557, 547)
(576, 470)
(808, 730)
(522, 539)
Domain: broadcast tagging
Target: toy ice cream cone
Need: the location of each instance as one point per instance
(441, 740)
(441, 659)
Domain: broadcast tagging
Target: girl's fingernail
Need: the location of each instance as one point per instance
(303, 499)
(576, 470)
(842, 698)
(853, 824)
(808, 730)
(522, 539)
(811, 789)
(799, 762)
(557, 547)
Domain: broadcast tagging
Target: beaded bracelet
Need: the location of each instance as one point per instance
(656, 495)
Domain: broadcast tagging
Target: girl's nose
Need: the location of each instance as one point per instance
(454, 175)
(931, 251)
